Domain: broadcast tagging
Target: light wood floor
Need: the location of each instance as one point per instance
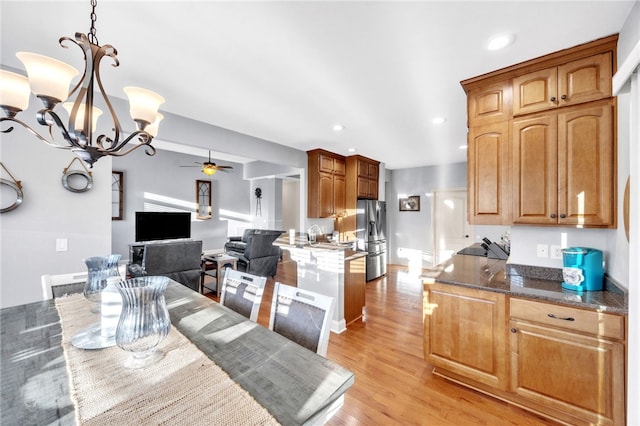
(393, 383)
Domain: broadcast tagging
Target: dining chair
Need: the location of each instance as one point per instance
(302, 316)
(65, 284)
(242, 292)
(62, 285)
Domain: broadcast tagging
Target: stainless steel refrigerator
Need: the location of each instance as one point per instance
(371, 218)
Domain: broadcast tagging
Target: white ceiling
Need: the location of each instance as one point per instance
(288, 71)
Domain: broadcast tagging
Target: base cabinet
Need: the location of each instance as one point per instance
(354, 289)
(464, 333)
(582, 372)
(564, 363)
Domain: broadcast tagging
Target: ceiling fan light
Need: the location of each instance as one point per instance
(79, 123)
(208, 169)
(48, 77)
(143, 105)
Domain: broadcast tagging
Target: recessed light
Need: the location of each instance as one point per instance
(351, 150)
(438, 120)
(338, 127)
(500, 41)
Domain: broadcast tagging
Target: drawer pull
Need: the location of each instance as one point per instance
(560, 318)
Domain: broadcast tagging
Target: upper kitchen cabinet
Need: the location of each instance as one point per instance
(583, 80)
(488, 163)
(542, 140)
(326, 184)
(362, 174)
(563, 167)
(489, 104)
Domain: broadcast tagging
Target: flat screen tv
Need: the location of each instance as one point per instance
(162, 225)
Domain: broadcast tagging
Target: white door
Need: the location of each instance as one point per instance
(451, 231)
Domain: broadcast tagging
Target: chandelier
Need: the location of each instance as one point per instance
(50, 79)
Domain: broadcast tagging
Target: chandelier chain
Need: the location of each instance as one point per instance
(93, 38)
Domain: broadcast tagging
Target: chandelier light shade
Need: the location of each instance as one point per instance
(14, 91)
(48, 77)
(152, 128)
(143, 104)
(50, 81)
(97, 112)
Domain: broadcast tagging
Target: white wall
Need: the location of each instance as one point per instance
(48, 212)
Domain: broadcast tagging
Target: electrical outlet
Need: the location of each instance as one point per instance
(542, 250)
(556, 252)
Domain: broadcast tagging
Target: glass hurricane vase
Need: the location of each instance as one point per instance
(144, 321)
(99, 268)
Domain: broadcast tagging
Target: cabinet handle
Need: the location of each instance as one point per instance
(513, 330)
(561, 318)
(553, 215)
(563, 97)
(562, 216)
(553, 99)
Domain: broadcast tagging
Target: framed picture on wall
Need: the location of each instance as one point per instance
(117, 195)
(203, 199)
(410, 204)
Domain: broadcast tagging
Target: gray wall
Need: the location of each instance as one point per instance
(48, 212)
(412, 230)
(160, 183)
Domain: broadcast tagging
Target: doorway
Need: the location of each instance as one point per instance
(450, 229)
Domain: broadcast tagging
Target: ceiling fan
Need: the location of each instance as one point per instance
(209, 168)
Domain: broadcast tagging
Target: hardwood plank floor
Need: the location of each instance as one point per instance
(394, 385)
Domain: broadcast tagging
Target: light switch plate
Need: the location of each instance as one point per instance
(61, 244)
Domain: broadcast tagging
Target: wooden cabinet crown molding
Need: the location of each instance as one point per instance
(547, 61)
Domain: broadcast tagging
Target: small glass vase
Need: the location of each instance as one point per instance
(99, 268)
(144, 321)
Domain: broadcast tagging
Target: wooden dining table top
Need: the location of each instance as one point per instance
(295, 385)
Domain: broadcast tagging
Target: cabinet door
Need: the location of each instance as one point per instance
(586, 166)
(339, 167)
(373, 188)
(339, 194)
(488, 174)
(489, 104)
(579, 375)
(372, 171)
(535, 91)
(354, 289)
(465, 333)
(326, 163)
(585, 80)
(325, 194)
(535, 170)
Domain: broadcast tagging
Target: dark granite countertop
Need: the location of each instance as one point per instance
(544, 284)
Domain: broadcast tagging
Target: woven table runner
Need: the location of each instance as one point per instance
(183, 388)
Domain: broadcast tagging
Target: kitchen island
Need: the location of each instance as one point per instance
(333, 270)
(512, 332)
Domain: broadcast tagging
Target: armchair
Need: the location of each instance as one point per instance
(255, 252)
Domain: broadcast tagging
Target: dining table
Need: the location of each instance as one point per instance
(295, 385)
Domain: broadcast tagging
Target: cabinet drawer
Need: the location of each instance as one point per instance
(592, 322)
